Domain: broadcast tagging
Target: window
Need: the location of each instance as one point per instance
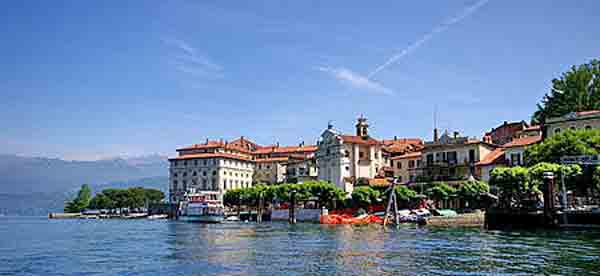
(184, 174)
(347, 168)
(174, 183)
(399, 164)
(204, 173)
(572, 128)
(361, 154)
(268, 167)
(411, 163)
(195, 162)
(588, 127)
(451, 157)
(185, 163)
(214, 173)
(515, 159)
(204, 162)
(429, 159)
(224, 184)
(347, 153)
(557, 131)
(471, 156)
(174, 174)
(400, 178)
(194, 174)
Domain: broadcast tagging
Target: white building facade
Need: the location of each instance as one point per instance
(343, 159)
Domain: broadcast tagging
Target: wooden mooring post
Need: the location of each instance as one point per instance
(292, 210)
(392, 200)
(549, 212)
(259, 209)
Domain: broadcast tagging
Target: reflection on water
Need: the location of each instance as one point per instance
(41, 246)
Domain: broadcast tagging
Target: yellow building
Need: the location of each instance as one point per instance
(574, 120)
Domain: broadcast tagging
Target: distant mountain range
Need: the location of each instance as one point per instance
(37, 185)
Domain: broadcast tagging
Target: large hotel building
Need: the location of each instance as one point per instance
(344, 160)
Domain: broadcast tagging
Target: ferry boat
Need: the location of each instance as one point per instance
(202, 206)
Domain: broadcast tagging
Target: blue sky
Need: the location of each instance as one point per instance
(95, 79)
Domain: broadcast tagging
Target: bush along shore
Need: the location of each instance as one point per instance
(111, 203)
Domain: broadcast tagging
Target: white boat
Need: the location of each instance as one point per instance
(202, 206)
(158, 216)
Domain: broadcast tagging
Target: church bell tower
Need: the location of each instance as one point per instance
(362, 128)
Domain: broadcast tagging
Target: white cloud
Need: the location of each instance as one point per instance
(355, 80)
(186, 59)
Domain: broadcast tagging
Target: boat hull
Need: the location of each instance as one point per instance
(202, 219)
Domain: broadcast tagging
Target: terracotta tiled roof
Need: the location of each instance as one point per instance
(288, 149)
(207, 145)
(494, 157)
(352, 139)
(534, 127)
(271, 160)
(211, 155)
(402, 141)
(587, 112)
(407, 155)
(524, 141)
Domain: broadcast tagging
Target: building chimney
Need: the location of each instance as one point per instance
(277, 144)
(207, 141)
(436, 136)
(395, 138)
(455, 134)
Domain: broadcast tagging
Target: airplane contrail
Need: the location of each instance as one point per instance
(438, 29)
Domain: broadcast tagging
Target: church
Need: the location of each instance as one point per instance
(344, 159)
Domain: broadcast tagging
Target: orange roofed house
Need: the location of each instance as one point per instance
(221, 165)
(449, 158)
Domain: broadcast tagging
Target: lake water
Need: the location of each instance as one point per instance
(39, 246)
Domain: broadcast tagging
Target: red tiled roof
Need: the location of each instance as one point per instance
(269, 160)
(534, 127)
(587, 112)
(494, 157)
(352, 139)
(288, 149)
(524, 141)
(402, 141)
(407, 155)
(207, 145)
(210, 155)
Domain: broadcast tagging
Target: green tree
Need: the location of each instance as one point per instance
(575, 90)
(81, 201)
(567, 143)
(363, 196)
(473, 192)
(101, 201)
(440, 191)
(154, 195)
(512, 184)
